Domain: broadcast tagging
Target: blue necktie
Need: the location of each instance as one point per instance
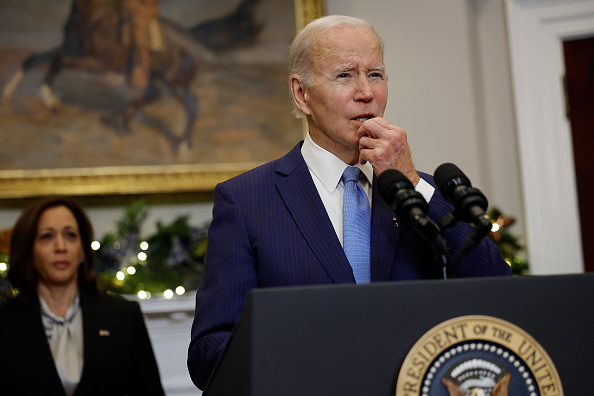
(356, 225)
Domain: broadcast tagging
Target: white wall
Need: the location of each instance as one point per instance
(450, 88)
(103, 218)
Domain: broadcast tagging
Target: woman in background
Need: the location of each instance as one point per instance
(59, 335)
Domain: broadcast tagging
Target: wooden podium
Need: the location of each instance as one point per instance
(353, 339)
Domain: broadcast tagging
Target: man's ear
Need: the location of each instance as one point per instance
(299, 94)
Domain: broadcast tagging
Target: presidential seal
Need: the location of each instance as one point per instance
(479, 356)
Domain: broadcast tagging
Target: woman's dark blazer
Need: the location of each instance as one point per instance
(118, 356)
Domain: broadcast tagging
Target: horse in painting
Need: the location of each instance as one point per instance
(153, 55)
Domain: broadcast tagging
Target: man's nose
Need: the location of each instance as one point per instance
(364, 91)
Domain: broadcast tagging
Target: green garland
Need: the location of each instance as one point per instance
(172, 259)
(5, 289)
(507, 243)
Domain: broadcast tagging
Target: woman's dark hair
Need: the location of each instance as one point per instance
(21, 271)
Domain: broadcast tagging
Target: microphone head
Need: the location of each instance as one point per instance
(390, 182)
(400, 194)
(457, 189)
(447, 177)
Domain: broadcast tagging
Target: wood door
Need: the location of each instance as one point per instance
(579, 68)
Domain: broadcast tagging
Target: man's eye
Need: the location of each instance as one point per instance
(343, 75)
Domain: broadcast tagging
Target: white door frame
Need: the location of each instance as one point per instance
(536, 29)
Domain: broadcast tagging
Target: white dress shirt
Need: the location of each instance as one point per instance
(326, 171)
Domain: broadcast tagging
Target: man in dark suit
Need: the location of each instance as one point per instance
(282, 224)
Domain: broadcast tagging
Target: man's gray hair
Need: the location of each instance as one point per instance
(300, 59)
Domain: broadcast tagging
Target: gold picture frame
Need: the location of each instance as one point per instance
(123, 180)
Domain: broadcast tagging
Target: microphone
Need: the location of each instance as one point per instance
(407, 203)
(470, 203)
(411, 208)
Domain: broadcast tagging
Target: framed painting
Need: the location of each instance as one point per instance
(109, 97)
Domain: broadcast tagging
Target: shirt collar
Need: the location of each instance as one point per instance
(327, 167)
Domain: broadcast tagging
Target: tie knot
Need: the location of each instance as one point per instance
(351, 173)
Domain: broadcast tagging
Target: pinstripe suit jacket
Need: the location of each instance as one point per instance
(270, 228)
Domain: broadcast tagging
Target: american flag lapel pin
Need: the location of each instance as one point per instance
(104, 333)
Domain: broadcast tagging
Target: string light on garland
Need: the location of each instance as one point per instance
(5, 289)
(508, 244)
(171, 259)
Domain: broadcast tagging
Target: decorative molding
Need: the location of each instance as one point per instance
(169, 322)
(535, 31)
(544, 3)
(117, 180)
(306, 11)
(185, 303)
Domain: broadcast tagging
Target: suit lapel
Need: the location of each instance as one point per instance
(384, 237)
(303, 202)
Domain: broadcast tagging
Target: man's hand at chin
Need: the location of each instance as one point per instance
(385, 146)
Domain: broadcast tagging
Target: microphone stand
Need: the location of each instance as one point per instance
(482, 227)
(410, 206)
(432, 234)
